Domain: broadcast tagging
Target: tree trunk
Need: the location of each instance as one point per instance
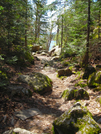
(25, 26)
(86, 57)
(57, 37)
(99, 26)
(62, 33)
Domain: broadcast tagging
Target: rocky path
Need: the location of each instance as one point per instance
(51, 105)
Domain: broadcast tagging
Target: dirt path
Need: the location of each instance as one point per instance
(51, 105)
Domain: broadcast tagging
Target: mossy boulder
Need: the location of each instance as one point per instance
(64, 72)
(94, 80)
(39, 82)
(75, 94)
(77, 120)
(88, 70)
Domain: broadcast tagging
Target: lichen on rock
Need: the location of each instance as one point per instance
(94, 80)
(74, 93)
(77, 120)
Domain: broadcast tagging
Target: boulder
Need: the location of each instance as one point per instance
(39, 82)
(47, 63)
(75, 94)
(77, 120)
(55, 51)
(51, 51)
(18, 131)
(35, 48)
(15, 89)
(94, 80)
(64, 72)
(88, 70)
(55, 58)
(44, 54)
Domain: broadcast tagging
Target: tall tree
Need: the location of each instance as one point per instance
(86, 58)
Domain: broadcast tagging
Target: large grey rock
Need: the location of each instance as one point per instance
(18, 131)
(64, 72)
(39, 82)
(15, 89)
(24, 114)
(74, 93)
(77, 120)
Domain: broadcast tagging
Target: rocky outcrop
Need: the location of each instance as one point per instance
(94, 80)
(39, 82)
(77, 120)
(88, 70)
(64, 72)
(77, 94)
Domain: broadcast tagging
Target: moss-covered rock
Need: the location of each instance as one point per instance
(77, 120)
(64, 72)
(75, 94)
(39, 82)
(94, 80)
(88, 70)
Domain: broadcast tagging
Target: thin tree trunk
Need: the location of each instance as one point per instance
(86, 58)
(99, 26)
(57, 37)
(62, 33)
(25, 26)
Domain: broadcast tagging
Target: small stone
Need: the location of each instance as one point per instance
(12, 121)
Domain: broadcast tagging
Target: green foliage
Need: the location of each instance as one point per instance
(81, 84)
(12, 60)
(3, 79)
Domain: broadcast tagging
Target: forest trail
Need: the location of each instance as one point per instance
(55, 104)
(51, 105)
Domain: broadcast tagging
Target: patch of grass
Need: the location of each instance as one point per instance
(81, 84)
(61, 77)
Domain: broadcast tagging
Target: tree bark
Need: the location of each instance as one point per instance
(86, 57)
(25, 26)
(62, 33)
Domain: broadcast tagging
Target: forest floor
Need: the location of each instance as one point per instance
(51, 104)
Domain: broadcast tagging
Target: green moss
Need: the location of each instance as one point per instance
(61, 77)
(71, 68)
(65, 94)
(65, 63)
(81, 84)
(99, 100)
(91, 79)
